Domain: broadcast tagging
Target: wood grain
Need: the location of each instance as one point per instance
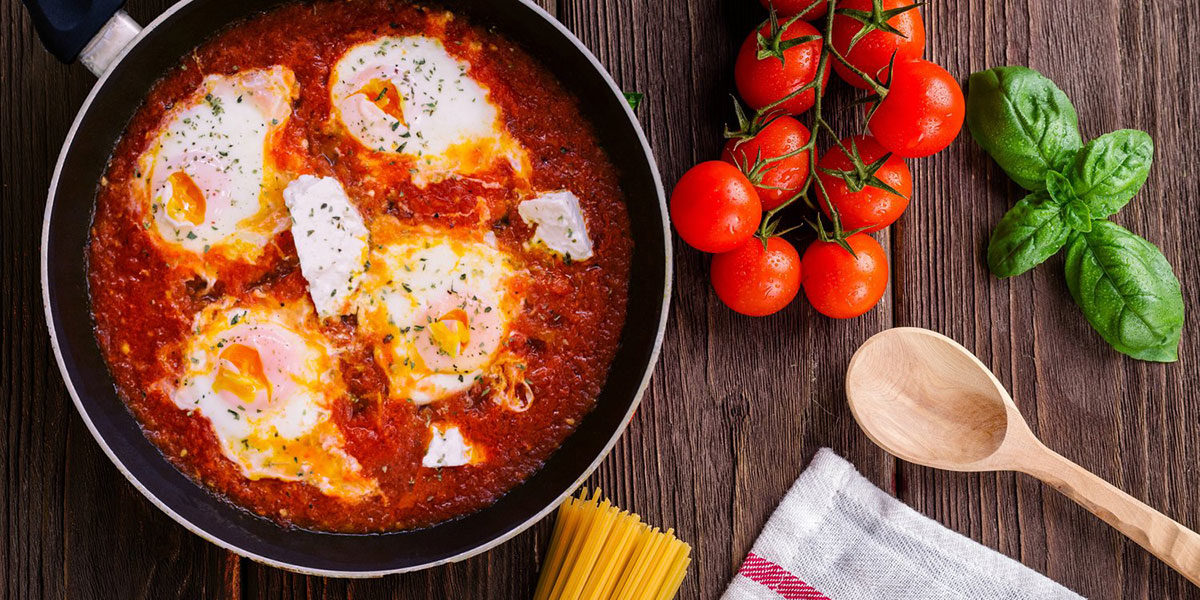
(737, 406)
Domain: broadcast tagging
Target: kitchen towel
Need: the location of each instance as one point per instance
(837, 536)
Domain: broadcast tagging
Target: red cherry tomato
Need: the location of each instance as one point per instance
(841, 285)
(767, 80)
(922, 112)
(790, 8)
(859, 196)
(780, 178)
(714, 207)
(755, 280)
(873, 51)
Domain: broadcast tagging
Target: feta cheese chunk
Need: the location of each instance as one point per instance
(447, 448)
(331, 240)
(560, 224)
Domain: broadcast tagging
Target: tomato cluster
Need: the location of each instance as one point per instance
(859, 185)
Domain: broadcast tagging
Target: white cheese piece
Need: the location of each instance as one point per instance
(331, 240)
(560, 223)
(447, 448)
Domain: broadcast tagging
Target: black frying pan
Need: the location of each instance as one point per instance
(69, 29)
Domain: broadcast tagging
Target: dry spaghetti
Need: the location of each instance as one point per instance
(600, 552)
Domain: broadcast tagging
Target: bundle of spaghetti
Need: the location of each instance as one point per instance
(600, 552)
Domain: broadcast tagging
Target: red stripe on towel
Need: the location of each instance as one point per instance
(777, 579)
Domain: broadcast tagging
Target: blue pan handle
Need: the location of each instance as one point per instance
(66, 26)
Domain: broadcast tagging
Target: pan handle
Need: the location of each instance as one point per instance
(95, 31)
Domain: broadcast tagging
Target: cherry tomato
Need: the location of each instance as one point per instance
(922, 112)
(789, 8)
(859, 195)
(841, 285)
(714, 207)
(755, 280)
(779, 179)
(767, 80)
(873, 51)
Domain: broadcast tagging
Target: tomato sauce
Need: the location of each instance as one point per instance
(144, 299)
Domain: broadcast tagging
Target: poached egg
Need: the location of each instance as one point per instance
(438, 306)
(407, 96)
(448, 448)
(435, 304)
(265, 378)
(210, 183)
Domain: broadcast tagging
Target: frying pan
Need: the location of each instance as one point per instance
(128, 60)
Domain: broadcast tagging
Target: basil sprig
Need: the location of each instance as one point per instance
(1123, 283)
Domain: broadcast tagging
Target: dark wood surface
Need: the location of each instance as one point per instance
(737, 406)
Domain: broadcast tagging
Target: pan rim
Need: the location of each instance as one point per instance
(652, 358)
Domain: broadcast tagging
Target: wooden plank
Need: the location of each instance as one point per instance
(1127, 421)
(938, 270)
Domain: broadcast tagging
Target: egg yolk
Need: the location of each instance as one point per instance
(309, 454)
(241, 373)
(474, 156)
(383, 94)
(452, 332)
(186, 202)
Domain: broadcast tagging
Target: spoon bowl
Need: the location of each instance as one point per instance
(924, 398)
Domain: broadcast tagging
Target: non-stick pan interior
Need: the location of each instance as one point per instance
(81, 168)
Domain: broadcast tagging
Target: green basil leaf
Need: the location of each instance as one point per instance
(1111, 169)
(1059, 188)
(1127, 291)
(1023, 121)
(1076, 213)
(1078, 216)
(1032, 231)
(634, 99)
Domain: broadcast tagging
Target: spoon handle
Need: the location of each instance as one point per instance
(1163, 537)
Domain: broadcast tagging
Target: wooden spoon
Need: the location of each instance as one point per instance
(927, 400)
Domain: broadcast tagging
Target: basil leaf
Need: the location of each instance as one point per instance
(1059, 188)
(634, 99)
(1078, 216)
(1023, 121)
(1032, 231)
(1075, 212)
(1111, 169)
(1127, 291)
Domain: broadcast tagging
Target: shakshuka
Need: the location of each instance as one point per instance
(359, 266)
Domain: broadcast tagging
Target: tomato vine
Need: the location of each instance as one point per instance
(773, 46)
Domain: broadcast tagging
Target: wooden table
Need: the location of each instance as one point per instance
(738, 406)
